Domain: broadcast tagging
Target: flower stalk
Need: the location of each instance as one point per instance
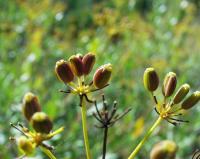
(47, 152)
(142, 142)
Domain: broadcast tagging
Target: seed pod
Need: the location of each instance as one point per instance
(150, 79)
(181, 93)
(191, 100)
(77, 65)
(26, 145)
(164, 150)
(64, 71)
(41, 123)
(30, 105)
(88, 62)
(169, 84)
(102, 76)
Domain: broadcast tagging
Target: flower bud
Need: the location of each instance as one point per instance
(41, 123)
(30, 105)
(150, 79)
(164, 150)
(26, 145)
(88, 62)
(64, 71)
(77, 65)
(191, 100)
(169, 84)
(181, 93)
(102, 75)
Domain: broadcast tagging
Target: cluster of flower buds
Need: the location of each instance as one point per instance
(170, 107)
(80, 66)
(40, 122)
(164, 150)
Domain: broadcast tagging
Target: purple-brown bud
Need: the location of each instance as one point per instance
(181, 93)
(30, 105)
(41, 123)
(150, 79)
(64, 71)
(88, 63)
(102, 76)
(77, 65)
(191, 100)
(26, 145)
(164, 150)
(169, 84)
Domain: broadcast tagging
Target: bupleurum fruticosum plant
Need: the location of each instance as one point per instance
(73, 73)
(42, 128)
(170, 108)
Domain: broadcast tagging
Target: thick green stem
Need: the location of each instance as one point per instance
(84, 124)
(48, 152)
(139, 146)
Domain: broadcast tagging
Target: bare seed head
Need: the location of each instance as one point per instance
(88, 62)
(41, 123)
(169, 84)
(30, 105)
(150, 79)
(64, 71)
(102, 76)
(181, 93)
(191, 100)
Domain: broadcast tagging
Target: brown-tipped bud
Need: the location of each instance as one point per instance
(30, 105)
(164, 150)
(150, 79)
(88, 62)
(181, 93)
(41, 123)
(77, 65)
(26, 145)
(64, 71)
(191, 100)
(102, 76)
(169, 84)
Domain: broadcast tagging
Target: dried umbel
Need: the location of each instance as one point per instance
(88, 62)
(150, 79)
(164, 150)
(102, 76)
(63, 71)
(26, 145)
(169, 84)
(181, 93)
(191, 100)
(31, 105)
(41, 123)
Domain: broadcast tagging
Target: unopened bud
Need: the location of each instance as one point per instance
(169, 84)
(150, 79)
(164, 150)
(64, 71)
(77, 64)
(41, 123)
(88, 62)
(181, 93)
(191, 100)
(30, 105)
(102, 76)
(26, 145)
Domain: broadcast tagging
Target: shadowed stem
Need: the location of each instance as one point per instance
(105, 142)
(84, 124)
(139, 146)
(47, 152)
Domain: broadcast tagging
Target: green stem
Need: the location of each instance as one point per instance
(139, 146)
(85, 133)
(48, 152)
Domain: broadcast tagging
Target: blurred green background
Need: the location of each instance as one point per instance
(130, 34)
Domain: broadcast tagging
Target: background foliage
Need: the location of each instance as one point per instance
(131, 34)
